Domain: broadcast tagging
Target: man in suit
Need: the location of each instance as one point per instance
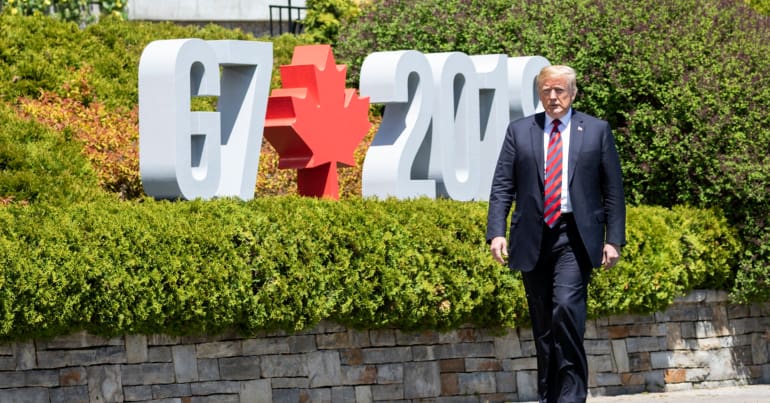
(562, 170)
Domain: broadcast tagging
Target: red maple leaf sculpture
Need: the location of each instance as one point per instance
(314, 122)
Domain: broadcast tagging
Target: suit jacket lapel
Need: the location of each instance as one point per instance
(576, 134)
(537, 144)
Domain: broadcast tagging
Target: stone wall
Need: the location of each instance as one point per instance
(699, 342)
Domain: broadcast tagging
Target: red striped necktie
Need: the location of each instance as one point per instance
(553, 177)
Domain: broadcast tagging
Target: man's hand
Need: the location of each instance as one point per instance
(499, 248)
(611, 255)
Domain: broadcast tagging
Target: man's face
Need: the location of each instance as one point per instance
(556, 96)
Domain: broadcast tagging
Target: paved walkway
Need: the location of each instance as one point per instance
(733, 394)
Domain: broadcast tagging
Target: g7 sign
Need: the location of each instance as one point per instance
(187, 154)
(443, 125)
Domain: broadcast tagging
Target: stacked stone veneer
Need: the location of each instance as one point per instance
(701, 341)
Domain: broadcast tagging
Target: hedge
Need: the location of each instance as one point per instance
(288, 262)
(38, 165)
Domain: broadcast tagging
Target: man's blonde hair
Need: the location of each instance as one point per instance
(559, 71)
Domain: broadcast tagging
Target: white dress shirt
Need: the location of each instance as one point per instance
(564, 128)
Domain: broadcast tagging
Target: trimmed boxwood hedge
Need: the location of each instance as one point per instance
(40, 166)
(287, 262)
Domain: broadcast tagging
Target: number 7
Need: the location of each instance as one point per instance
(188, 154)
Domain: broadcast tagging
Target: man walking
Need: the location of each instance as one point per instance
(562, 170)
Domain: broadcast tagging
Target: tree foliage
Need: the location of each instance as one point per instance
(325, 17)
(763, 6)
(685, 84)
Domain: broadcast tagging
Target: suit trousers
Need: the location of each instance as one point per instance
(557, 290)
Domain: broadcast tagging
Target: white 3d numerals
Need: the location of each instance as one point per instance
(396, 163)
(493, 103)
(442, 128)
(522, 72)
(443, 125)
(191, 154)
(178, 149)
(246, 72)
(455, 155)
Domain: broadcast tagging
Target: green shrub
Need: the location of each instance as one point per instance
(288, 262)
(651, 271)
(116, 71)
(763, 6)
(36, 53)
(108, 138)
(38, 165)
(431, 26)
(116, 68)
(271, 263)
(324, 18)
(669, 252)
(708, 245)
(685, 85)
(41, 53)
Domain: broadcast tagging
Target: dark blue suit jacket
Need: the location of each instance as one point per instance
(595, 186)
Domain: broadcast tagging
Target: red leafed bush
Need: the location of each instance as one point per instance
(109, 137)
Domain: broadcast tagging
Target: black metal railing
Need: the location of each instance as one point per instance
(294, 16)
